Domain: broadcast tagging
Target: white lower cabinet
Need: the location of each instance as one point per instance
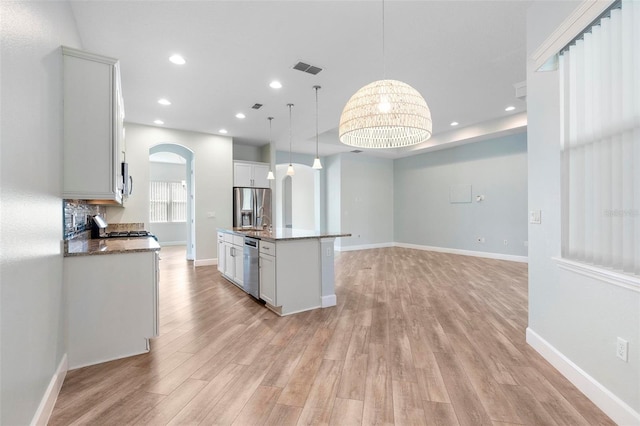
(268, 273)
(221, 253)
(233, 262)
(229, 261)
(112, 305)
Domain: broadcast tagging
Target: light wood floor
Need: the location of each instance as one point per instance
(417, 338)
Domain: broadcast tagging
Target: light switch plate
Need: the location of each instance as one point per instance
(535, 216)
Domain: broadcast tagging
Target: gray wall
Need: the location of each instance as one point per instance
(366, 191)
(359, 190)
(495, 168)
(31, 291)
(167, 172)
(171, 232)
(247, 153)
(213, 181)
(332, 194)
(580, 317)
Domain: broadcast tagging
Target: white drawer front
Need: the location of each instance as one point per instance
(267, 248)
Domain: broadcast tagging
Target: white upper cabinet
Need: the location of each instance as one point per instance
(254, 175)
(93, 127)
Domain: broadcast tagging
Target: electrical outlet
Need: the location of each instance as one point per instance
(506, 242)
(622, 349)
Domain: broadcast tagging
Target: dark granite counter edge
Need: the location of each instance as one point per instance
(119, 246)
(260, 236)
(122, 251)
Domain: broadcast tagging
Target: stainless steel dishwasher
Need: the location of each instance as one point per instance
(251, 272)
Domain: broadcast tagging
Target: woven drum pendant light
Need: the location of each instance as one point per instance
(385, 114)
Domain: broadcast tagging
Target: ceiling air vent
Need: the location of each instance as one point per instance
(256, 106)
(356, 151)
(521, 90)
(310, 69)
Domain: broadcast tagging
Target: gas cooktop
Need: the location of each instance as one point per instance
(128, 234)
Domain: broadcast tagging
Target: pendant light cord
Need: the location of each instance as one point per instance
(290, 133)
(316, 87)
(384, 62)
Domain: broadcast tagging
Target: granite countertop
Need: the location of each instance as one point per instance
(89, 247)
(284, 234)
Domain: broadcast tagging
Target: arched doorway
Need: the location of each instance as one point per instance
(298, 197)
(188, 181)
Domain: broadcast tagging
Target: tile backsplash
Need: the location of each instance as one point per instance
(77, 217)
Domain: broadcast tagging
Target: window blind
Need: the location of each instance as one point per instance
(167, 202)
(600, 103)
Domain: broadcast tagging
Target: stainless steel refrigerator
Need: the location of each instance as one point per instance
(251, 207)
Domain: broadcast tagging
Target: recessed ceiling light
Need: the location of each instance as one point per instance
(510, 108)
(240, 115)
(223, 131)
(164, 101)
(454, 123)
(177, 59)
(158, 121)
(275, 84)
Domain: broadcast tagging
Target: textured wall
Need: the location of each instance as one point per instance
(32, 315)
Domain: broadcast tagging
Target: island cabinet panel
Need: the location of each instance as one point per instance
(298, 271)
(112, 306)
(93, 127)
(268, 279)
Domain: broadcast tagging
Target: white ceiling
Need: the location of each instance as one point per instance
(462, 56)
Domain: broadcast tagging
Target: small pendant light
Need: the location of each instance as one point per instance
(316, 162)
(270, 175)
(290, 171)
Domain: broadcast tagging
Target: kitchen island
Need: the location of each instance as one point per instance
(295, 267)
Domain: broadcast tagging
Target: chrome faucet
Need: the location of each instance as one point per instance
(262, 216)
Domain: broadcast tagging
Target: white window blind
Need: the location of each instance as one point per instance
(167, 201)
(600, 102)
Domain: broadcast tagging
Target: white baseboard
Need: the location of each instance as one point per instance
(328, 301)
(172, 243)
(205, 262)
(43, 413)
(364, 247)
(614, 407)
(484, 254)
